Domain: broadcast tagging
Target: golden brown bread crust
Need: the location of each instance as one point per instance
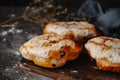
(113, 68)
(106, 52)
(50, 50)
(81, 31)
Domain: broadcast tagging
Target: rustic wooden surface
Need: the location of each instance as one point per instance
(81, 69)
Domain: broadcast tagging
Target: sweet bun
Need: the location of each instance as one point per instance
(80, 30)
(106, 52)
(50, 50)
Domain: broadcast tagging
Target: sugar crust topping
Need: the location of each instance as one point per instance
(104, 47)
(80, 29)
(41, 45)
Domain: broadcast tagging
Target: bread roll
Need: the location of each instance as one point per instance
(80, 30)
(106, 52)
(50, 50)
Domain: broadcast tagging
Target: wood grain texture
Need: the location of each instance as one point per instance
(81, 69)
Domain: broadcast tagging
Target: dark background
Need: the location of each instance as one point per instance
(14, 2)
(69, 3)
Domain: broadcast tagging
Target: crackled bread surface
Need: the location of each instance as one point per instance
(106, 52)
(50, 50)
(80, 30)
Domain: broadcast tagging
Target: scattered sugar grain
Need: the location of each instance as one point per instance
(4, 33)
(7, 69)
(95, 67)
(15, 66)
(31, 36)
(16, 71)
(17, 53)
(62, 72)
(12, 15)
(4, 39)
(25, 78)
(11, 30)
(74, 71)
(19, 31)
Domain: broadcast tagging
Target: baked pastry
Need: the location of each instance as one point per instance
(80, 30)
(106, 52)
(50, 50)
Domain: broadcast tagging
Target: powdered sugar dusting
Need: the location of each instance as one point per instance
(44, 50)
(11, 30)
(4, 39)
(79, 29)
(107, 47)
(41, 45)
